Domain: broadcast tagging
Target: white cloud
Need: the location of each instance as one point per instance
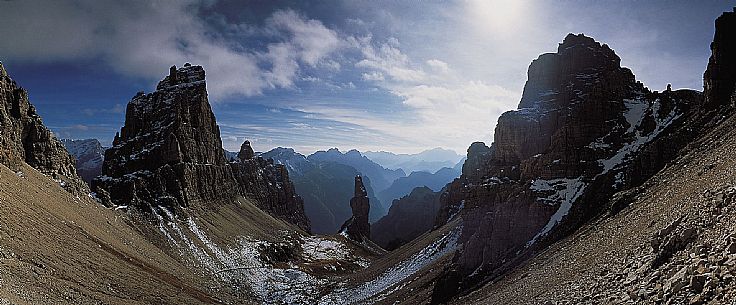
(438, 65)
(448, 108)
(143, 38)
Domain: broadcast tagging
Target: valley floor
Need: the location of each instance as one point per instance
(56, 248)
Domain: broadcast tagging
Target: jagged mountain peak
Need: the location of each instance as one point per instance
(89, 155)
(581, 123)
(169, 154)
(25, 138)
(358, 227)
(580, 68)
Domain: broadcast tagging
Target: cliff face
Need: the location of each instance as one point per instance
(169, 153)
(270, 185)
(720, 77)
(357, 227)
(583, 130)
(667, 236)
(24, 138)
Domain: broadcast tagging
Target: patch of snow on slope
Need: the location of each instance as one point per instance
(562, 191)
(319, 248)
(556, 191)
(395, 274)
(242, 264)
(634, 116)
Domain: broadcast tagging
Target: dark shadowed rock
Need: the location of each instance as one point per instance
(270, 185)
(357, 227)
(409, 217)
(246, 151)
(584, 129)
(720, 77)
(24, 138)
(169, 153)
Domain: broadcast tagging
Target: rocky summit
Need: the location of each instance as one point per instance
(270, 185)
(720, 78)
(584, 129)
(357, 227)
(169, 153)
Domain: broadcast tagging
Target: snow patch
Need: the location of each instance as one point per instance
(379, 287)
(562, 191)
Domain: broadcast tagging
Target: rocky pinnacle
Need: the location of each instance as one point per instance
(357, 227)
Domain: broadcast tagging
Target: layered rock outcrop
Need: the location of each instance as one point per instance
(720, 77)
(24, 137)
(583, 126)
(169, 153)
(269, 185)
(357, 227)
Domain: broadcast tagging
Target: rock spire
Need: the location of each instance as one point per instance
(357, 227)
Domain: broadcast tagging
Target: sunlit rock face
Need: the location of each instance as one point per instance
(169, 153)
(582, 126)
(24, 137)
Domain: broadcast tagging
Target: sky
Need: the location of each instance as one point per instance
(400, 76)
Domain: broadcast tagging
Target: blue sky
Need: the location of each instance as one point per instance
(401, 76)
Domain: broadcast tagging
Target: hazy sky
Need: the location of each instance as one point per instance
(391, 75)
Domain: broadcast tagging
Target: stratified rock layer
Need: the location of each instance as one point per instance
(357, 227)
(584, 129)
(169, 153)
(24, 138)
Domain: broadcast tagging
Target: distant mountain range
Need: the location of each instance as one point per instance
(89, 155)
(326, 187)
(430, 160)
(381, 177)
(324, 179)
(404, 185)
